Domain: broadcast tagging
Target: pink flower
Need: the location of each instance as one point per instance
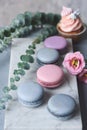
(74, 62)
(83, 76)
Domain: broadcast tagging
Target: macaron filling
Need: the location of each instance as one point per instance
(62, 117)
(44, 63)
(50, 84)
(31, 104)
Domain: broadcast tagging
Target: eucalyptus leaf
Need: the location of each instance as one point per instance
(31, 59)
(27, 58)
(28, 18)
(17, 78)
(1, 45)
(33, 46)
(36, 19)
(23, 65)
(6, 89)
(12, 80)
(7, 32)
(13, 87)
(12, 29)
(19, 21)
(19, 72)
(50, 18)
(1, 34)
(5, 98)
(8, 96)
(37, 41)
(2, 106)
(31, 52)
(57, 18)
(43, 18)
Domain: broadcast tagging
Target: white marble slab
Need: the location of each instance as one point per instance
(19, 117)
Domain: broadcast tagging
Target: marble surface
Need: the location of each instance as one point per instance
(18, 117)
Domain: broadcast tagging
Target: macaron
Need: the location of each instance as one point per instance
(50, 76)
(62, 106)
(56, 42)
(47, 56)
(30, 94)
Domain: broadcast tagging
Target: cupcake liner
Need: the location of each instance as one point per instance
(73, 35)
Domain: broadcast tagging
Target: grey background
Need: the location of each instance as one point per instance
(10, 8)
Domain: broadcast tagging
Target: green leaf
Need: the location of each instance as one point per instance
(5, 98)
(6, 89)
(19, 21)
(31, 51)
(1, 45)
(57, 18)
(19, 72)
(1, 34)
(37, 41)
(7, 32)
(8, 96)
(23, 65)
(12, 29)
(43, 18)
(12, 80)
(2, 106)
(28, 18)
(13, 87)
(36, 19)
(50, 18)
(33, 46)
(31, 59)
(27, 58)
(40, 37)
(17, 78)
(23, 32)
(24, 58)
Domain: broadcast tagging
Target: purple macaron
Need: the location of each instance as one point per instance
(56, 42)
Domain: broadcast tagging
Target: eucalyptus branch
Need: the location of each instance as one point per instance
(24, 64)
(22, 25)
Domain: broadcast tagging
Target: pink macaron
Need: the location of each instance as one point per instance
(50, 76)
(56, 42)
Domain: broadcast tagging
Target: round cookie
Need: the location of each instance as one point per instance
(30, 94)
(56, 42)
(47, 56)
(62, 106)
(50, 76)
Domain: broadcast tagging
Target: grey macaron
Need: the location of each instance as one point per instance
(30, 94)
(47, 56)
(62, 106)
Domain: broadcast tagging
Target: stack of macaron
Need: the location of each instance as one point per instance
(49, 75)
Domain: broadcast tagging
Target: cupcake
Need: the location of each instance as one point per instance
(70, 24)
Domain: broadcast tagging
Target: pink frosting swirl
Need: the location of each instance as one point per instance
(66, 11)
(68, 23)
